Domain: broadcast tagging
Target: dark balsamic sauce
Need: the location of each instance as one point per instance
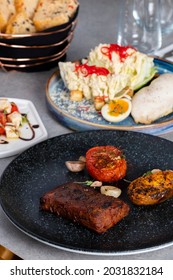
(32, 130)
(32, 127)
(35, 126)
(3, 141)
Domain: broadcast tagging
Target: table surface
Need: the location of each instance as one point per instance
(96, 24)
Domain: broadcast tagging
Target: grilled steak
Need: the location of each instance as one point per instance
(85, 206)
(152, 188)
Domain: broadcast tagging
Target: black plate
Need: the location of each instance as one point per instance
(42, 168)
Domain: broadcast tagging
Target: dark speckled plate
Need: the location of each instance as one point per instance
(41, 168)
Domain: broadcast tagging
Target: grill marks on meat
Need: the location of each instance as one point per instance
(85, 206)
(152, 188)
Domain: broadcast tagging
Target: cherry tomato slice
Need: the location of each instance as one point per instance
(3, 119)
(14, 107)
(106, 163)
(2, 130)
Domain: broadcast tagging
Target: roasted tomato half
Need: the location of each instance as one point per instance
(106, 163)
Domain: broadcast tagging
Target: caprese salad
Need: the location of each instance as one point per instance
(10, 119)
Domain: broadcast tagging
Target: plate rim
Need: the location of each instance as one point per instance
(88, 252)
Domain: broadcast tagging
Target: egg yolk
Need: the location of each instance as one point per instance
(117, 107)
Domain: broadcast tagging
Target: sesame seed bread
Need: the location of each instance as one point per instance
(20, 23)
(50, 13)
(7, 9)
(27, 6)
(71, 7)
(30, 16)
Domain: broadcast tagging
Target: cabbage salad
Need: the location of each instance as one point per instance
(110, 71)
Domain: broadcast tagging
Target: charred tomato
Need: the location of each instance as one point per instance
(106, 163)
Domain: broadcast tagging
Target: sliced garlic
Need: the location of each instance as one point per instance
(75, 165)
(82, 158)
(155, 171)
(110, 191)
(96, 184)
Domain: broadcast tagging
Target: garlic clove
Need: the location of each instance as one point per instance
(110, 191)
(75, 165)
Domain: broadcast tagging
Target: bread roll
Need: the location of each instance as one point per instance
(50, 13)
(20, 23)
(7, 9)
(27, 6)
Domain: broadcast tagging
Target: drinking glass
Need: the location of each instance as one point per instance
(139, 25)
(166, 16)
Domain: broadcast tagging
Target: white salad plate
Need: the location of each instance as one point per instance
(33, 132)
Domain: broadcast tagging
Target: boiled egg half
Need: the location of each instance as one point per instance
(116, 110)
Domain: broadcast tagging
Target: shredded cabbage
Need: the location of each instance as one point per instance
(138, 66)
(132, 72)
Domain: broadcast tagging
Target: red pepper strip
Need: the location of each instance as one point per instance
(106, 51)
(120, 50)
(87, 70)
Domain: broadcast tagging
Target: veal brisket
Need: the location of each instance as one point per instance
(85, 206)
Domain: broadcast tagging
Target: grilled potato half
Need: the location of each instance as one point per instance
(151, 188)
